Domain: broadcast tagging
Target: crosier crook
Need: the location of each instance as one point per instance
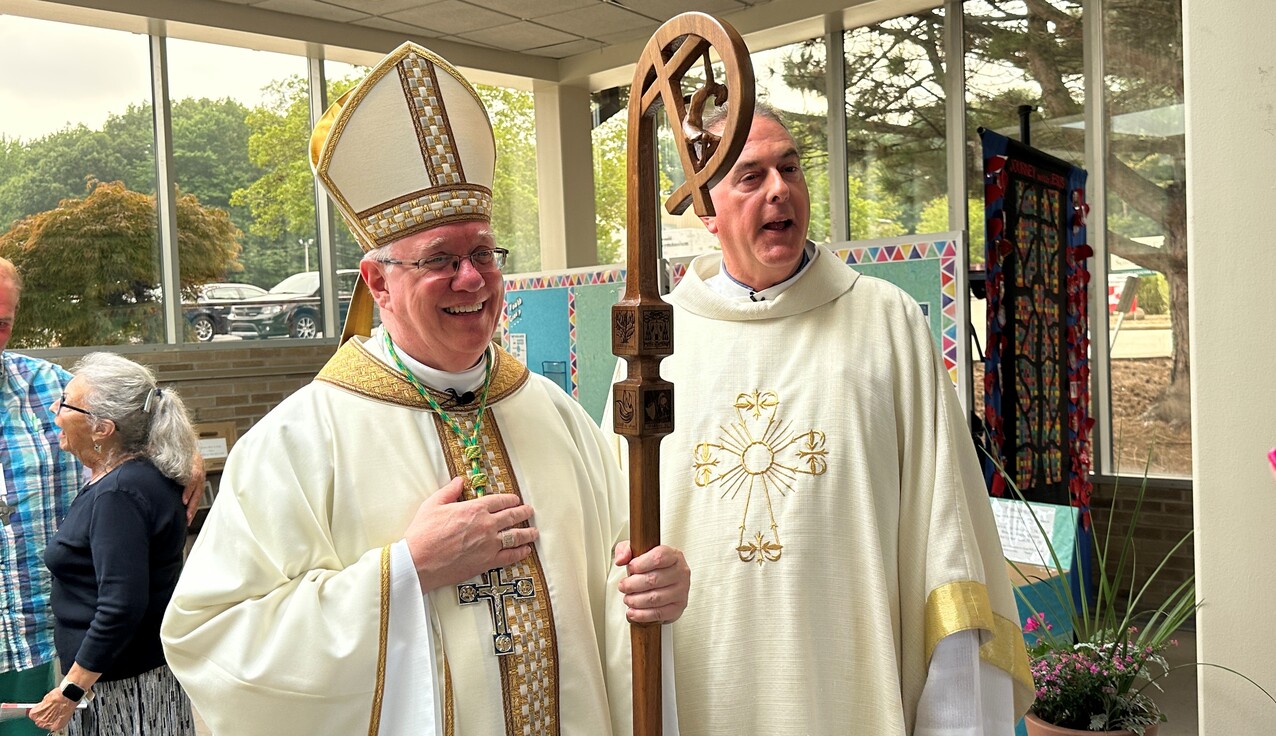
(642, 323)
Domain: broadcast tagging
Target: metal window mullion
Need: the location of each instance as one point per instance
(1096, 158)
(165, 188)
(323, 207)
(835, 94)
(958, 214)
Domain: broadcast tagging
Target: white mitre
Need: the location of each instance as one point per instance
(407, 149)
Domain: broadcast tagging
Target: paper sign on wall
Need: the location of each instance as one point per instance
(213, 448)
(1024, 539)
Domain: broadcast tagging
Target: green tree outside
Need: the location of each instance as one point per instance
(91, 266)
(515, 206)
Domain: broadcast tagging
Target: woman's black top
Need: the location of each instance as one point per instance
(115, 561)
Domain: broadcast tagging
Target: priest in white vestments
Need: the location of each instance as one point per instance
(823, 485)
(427, 539)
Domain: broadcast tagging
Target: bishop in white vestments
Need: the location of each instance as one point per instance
(429, 538)
(823, 485)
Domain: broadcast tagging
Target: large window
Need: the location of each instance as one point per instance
(77, 183)
(1020, 54)
(610, 156)
(895, 126)
(1147, 237)
(340, 77)
(789, 78)
(240, 120)
(515, 214)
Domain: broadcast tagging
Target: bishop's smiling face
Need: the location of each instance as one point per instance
(442, 319)
(762, 208)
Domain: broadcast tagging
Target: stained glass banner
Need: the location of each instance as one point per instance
(1036, 371)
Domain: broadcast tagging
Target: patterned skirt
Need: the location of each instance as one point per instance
(151, 704)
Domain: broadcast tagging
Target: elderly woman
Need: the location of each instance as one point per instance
(116, 557)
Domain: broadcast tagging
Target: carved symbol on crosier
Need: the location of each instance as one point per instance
(625, 326)
(655, 329)
(625, 408)
(759, 452)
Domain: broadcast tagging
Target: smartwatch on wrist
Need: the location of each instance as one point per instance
(71, 691)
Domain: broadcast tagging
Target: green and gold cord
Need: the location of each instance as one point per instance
(477, 479)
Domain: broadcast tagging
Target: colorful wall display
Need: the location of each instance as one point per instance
(559, 324)
(927, 269)
(1036, 371)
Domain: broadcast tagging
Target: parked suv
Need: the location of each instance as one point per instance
(207, 314)
(291, 307)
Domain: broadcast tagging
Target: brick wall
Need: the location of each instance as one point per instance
(1165, 517)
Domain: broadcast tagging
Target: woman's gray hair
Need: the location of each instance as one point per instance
(150, 421)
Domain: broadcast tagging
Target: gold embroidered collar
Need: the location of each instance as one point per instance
(354, 368)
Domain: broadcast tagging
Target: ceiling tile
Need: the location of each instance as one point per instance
(395, 26)
(532, 9)
(666, 9)
(611, 39)
(597, 18)
(452, 16)
(562, 50)
(518, 36)
(380, 7)
(312, 9)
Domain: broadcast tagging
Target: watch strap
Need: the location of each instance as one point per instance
(71, 691)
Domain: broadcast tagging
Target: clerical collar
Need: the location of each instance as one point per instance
(725, 284)
(468, 380)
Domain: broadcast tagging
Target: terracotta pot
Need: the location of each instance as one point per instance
(1038, 727)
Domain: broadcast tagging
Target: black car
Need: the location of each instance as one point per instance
(207, 314)
(290, 308)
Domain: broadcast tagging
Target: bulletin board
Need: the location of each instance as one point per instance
(930, 269)
(559, 325)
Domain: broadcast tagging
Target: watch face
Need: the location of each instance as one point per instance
(72, 691)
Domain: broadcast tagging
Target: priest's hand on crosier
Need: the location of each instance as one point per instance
(453, 540)
(656, 587)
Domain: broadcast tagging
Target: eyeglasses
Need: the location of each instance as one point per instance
(486, 259)
(63, 405)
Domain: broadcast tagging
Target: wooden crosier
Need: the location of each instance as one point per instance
(642, 323)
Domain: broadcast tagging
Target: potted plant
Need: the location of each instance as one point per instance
(1095, 678)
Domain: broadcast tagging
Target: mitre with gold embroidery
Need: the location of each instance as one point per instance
(407, 149)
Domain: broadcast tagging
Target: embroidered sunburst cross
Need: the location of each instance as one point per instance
(759, 452)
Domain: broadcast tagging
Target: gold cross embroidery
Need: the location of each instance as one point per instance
(759, 452)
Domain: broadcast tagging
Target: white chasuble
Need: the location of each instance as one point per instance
(822, 483)
(282, 621)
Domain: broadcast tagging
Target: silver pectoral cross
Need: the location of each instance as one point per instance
(6, 511)
(497, 593)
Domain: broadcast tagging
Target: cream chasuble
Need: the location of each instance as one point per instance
(282, 622)
(822, 484)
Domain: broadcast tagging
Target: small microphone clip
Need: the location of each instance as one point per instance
(458, 399)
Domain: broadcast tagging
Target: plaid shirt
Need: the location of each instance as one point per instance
(39, 482)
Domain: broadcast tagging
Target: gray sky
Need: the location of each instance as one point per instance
(55, 74)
